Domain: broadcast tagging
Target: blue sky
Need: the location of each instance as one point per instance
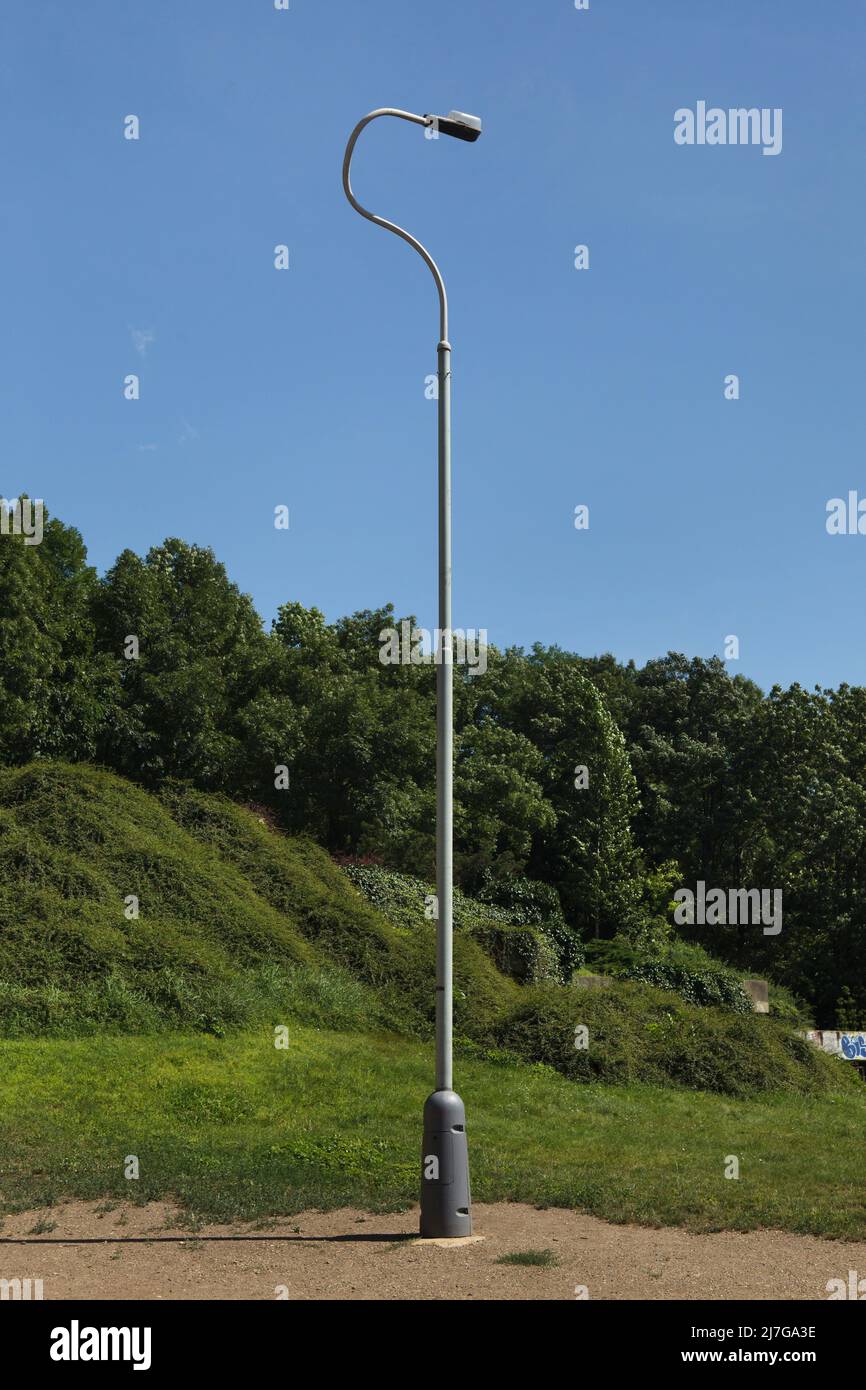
(306, 387)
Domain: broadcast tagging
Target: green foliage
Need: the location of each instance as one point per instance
(742, 789)
(299, 881)
(518, 923)
(54, 690)
(403, 899)
(849, 1013)
(588, 854)
(534, 904)
(523, 953)
(638, 1033)
(789, 1008)
(240, 924)
(169, 1000)
(526, 900)
(654, 926)
(202, 697)
(675, 965)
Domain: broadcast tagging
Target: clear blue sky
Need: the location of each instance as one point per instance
(306, 387)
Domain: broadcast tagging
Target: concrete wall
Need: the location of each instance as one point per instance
(850, 1045)
(760, 994)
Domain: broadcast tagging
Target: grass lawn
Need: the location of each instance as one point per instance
(234, 1128)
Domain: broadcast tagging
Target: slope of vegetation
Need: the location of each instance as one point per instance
(239, 924)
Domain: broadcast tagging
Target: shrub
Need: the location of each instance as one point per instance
(531, 903)
(526, 900)
(685, 969)
(637, 1033)
(518, 922)
(525, 954)
(790, 1008)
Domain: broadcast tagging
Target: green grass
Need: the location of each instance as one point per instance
(234, 1128)
(540, 1259)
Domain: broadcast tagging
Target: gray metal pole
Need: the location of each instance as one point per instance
(446, 1209)
(444, 746)
(446, 1205)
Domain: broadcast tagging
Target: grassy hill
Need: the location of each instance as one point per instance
(153, 1035)
(239, 925)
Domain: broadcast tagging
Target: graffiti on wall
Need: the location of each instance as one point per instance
(850, 1046)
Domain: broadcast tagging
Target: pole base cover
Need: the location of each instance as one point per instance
(446, 1208)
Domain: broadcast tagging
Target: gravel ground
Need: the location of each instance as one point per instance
(141, 1253)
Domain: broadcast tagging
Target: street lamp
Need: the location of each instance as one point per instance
(445, 1202)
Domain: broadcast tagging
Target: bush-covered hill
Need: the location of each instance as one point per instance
(240, 924)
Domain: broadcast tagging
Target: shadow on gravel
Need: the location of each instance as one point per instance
(391, 1236)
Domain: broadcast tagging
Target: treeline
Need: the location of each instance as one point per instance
(161, 670)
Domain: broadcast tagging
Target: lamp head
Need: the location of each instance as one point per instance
(458, 124)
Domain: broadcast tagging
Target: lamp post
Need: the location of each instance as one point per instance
(445, 1201)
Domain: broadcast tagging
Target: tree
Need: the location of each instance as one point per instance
(587, 849)
(200, 681)
(54, 690)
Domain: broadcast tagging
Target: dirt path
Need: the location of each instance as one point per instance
(354, 1255)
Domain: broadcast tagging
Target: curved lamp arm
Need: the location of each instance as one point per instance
(392, 226)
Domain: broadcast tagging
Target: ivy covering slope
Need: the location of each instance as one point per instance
(238, 923)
